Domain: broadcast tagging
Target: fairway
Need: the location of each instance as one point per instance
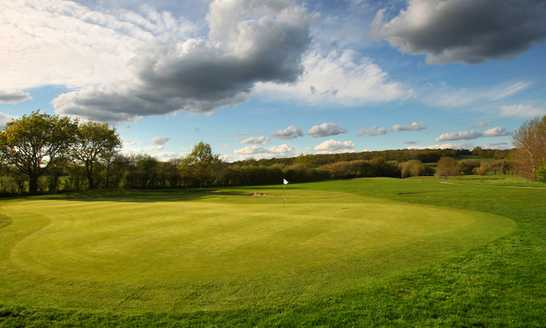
(181, 252)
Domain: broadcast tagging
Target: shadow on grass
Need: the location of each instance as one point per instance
(148, 196)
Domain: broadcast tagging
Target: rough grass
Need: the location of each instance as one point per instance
(337, 253)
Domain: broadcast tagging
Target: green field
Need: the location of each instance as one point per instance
(420, 251)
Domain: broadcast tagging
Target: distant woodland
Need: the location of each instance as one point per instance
(42, 153)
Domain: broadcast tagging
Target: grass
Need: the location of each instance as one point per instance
(358, 252)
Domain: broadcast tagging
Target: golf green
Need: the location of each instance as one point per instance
(218, 250)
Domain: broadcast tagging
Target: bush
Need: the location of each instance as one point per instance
(469, 166)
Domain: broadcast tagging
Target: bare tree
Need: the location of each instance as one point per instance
(530, 143)
(447, 166)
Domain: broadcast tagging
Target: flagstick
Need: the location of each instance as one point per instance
(284, 194)
(284, 183)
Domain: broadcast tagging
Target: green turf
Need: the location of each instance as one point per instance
(359, 252)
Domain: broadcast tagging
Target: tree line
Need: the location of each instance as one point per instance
(48, 153)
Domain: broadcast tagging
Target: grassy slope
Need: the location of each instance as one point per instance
(501, 283)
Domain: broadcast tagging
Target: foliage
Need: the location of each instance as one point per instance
(201, 166)
(35, 142)
(95, 144)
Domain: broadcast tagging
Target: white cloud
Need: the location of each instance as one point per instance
(13, 96)
(261, 140)
(498, 145)
(333, 147)
(472, 134)
(413, 126)
(325, 130)
(291, 132)
(464, 30)
(156, 150)
(258, 152)
(453, 98)
(248, 42)
(372, 132)
(449, 146)
(496, 132)
(376, 131)
(51, 42)
(461, 135)
(340, 77)
(522, 111)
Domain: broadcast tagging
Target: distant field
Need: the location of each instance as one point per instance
(364, 251)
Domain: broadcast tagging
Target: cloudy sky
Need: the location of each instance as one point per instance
(258, 78)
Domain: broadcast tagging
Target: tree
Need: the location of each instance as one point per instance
(530, 143)
(201, 165)
(96, 143)
(413, 168)
(33, 142)
(447, 166)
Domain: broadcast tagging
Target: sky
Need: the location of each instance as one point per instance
(278, 78)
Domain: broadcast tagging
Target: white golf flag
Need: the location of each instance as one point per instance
(284, 181)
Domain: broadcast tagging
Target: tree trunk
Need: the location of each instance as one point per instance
(90, 181)
(33, 184)
(90, 178)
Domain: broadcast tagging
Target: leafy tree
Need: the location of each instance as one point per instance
(96, 143)
(201, 165)
(34, 142)
(530, 143)
(447, 166)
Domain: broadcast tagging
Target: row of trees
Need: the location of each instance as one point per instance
(41, 152)
(36, 144)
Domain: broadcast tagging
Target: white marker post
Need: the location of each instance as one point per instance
(284, 183)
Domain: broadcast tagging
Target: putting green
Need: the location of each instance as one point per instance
(180, 252)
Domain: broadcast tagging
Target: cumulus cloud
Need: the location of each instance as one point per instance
(258, 152)
(340, 77)
(522, 111)
(248, 42)
(291, 132)
(325, 130)
(496, 132)
(379, 131)
(334, 147)
(498, 145)
(449, 146)
(372, 132)
(413, 126)
(156, 149)
(51, 42)
(261, 140)
(468, 31)
(13, 96)
(471, 134)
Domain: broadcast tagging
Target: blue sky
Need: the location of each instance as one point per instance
(367, 74)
